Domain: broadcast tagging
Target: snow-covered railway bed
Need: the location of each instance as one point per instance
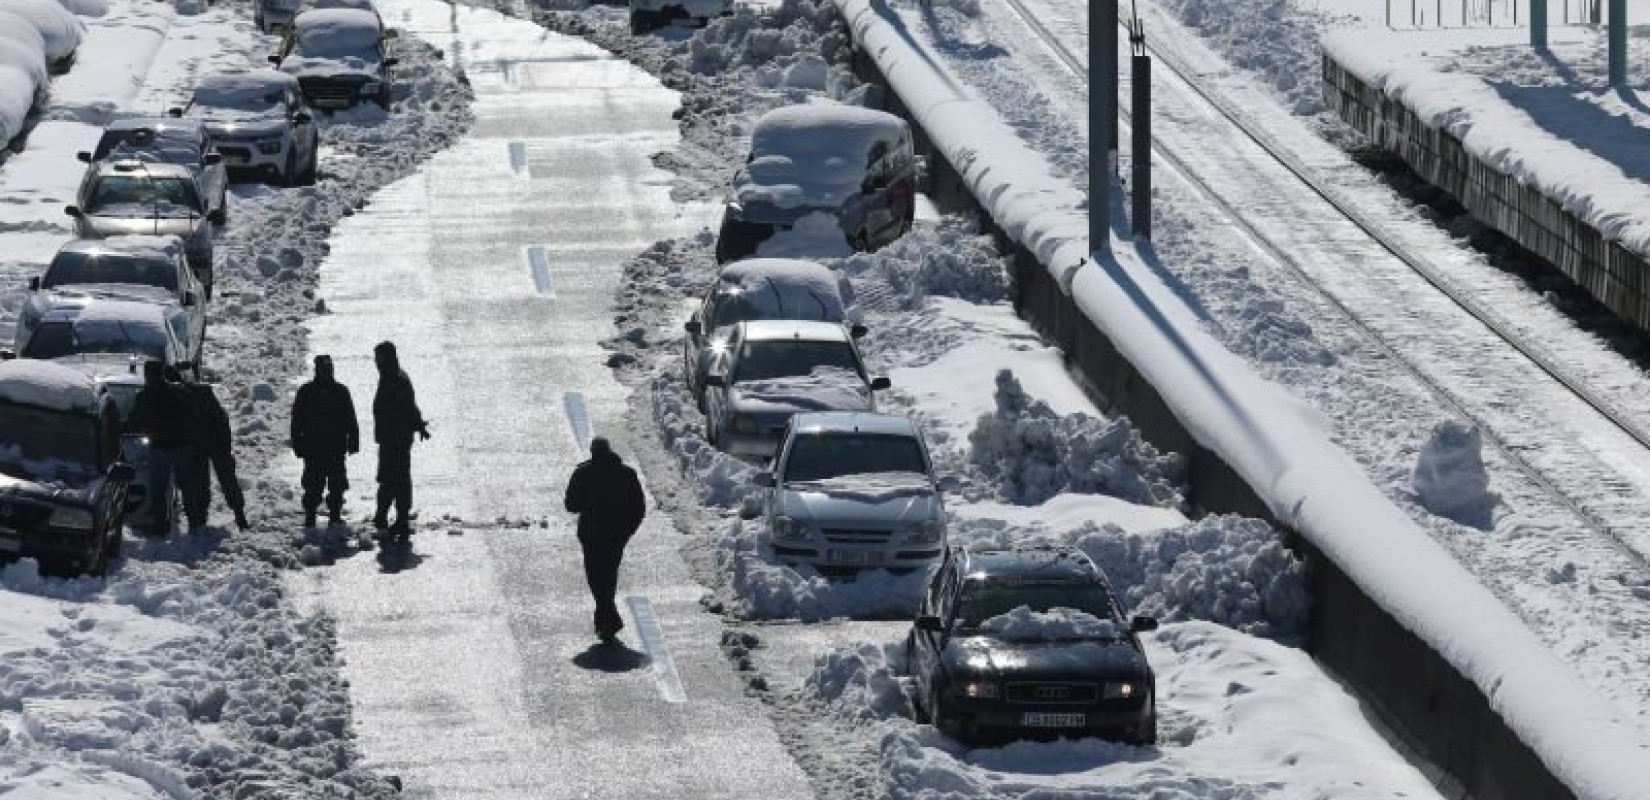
(1317, 304)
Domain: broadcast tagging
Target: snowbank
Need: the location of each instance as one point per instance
(815, 235)
(824, 388)
(753, 584)
(1450, 478)
(59, 31)
(23, 73)
(1024, 625)
(950, 260)
(1274, 442)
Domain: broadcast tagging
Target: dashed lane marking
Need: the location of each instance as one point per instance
(518, 159)
(538, 263)
(653, 641)
(578, 418)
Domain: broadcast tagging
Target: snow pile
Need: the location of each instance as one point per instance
(1450, 478)
(950, 260)
(46, 385)
(23, 73)
(862, 679)
(811, 155)
(60, 31)
(719, 479)
(749, 582)
(1035, 453)
(761, 47)
(824, 388)
(784, 288)
(86, 8)
(1275, 39)
(1024, 625)
(815, 235)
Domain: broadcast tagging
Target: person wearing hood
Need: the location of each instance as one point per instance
(165, 412)
(395, 419)
(608, 498)
(324, 434)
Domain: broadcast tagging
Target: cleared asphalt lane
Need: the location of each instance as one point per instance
(470, 653)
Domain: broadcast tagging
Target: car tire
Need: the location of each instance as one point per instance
(289, 173)
(307, 177)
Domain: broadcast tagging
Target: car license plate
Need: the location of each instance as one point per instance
(1035, 719)
(855, 556)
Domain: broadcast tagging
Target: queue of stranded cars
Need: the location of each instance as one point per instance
(135, 283)
(1008, 642)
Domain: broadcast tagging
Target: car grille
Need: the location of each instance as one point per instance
(856, 536)
(18, 516)
(240, 153)
(1027, 692)
(328, 92)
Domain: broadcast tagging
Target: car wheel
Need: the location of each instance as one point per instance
(308, 176)
(289, 174)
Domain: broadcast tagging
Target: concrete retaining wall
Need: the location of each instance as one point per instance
(1617, 277)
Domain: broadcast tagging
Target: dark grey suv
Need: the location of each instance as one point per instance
(977, 682)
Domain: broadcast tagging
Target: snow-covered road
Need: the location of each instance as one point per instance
(470, 652)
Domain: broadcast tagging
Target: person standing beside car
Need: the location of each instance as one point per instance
(608, 498)
(324, 434)
(214, 450)
(395, 418)
(165, 412)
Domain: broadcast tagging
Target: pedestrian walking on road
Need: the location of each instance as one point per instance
(214, 450)
(395, 418)
(165, 412)
(324, 433)
(607, 497)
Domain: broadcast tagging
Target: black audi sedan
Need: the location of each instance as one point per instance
(1030, 643)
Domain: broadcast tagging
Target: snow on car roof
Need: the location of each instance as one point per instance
(773, 329)
(782, 287)
(46, 385)
(823, 128)
(162, 126)
(141, 317)
(362, 5)
(229, 88)
(155, 247)
(853, 421)
(344, 22)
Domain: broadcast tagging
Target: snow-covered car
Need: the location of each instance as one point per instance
(256, 120)
(147, 269)
(854, 164)
(273, 15)
(337, 55)
(60, 30)
(121, 377)
(62, 482)
(648, 15)
(165, 140)
(127, 198)
(854, 490)
(128, 330)
(757, 288)
(773, 369)
(24, 76)
(1030, 642)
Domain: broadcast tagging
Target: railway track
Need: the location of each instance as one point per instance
(1389, 242)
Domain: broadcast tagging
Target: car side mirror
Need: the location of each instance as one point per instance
(392, 33)
(764, 480)
(212, 158)
(880, 383)
(303, 118)
(84, 156)
(1143, 624)
(930, 624)
(390, 62)
(716, 380)
(274, 58)
(188, 299)
(858, 331)
(73, 211)
(174, 112)
(122, 472)
(215, 216)
(34, 284)
(692, 326)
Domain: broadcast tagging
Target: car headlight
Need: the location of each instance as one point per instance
(927, 531)
(269, 147)
(74, 518)
(748, 425)
(789, 529)
(1120, 691)
(977, 690)
(371, 87)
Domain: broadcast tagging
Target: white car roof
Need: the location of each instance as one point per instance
(47, 385)
(852, 422)
(155, 247)
(800, 330)
(340, 19)
(253, 80)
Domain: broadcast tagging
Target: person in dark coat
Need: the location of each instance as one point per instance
(324, 433)
(607, 497)
(165, 412)
(395, 418)
(214, 449)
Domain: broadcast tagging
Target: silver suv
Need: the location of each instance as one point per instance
(772, 369)
(167, 141)
(125, 198)
(854, 490)
(256, 119)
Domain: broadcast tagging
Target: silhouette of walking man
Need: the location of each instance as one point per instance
(395, 418)
(324, 433)
(607, 497)
(214, 450)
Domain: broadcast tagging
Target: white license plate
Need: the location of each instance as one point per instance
(1034, 719)
(854, 556)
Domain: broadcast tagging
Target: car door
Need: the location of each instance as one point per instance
(902, 187)
(189, 285)
(726, 364)
(937, 603)
(695, 342)
(214, 177)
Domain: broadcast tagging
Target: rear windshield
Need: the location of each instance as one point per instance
(339, 41)
(818, 457)
(72, 269)
(145, 145)
(142, 195)
(39, 444)
(982, 600)
(59, 339)
(766, 360)
(768, 299)
(240, 96)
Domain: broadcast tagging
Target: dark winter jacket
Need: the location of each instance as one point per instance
(607, 497)
(167, 415)
(323, 421)
(212, 431)
(395, 414)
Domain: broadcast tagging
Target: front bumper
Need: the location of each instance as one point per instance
(830, 556)
(47, 542)
(244, 156)
(998, 720)
(335, 95)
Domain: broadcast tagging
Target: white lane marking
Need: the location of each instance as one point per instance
(578, 418)
(518, 159)
(507, 73)
(538, 264)
(653, 641)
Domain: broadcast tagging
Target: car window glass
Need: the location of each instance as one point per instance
(163, 195)
(823, 456)
(948, 594)
(983, 600)
(768, 360)
(71, 269)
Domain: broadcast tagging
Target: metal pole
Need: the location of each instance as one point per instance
(1102, 118)
(1538, 24)
(1618, 43)
(1141, 218)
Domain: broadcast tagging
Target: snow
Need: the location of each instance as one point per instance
(59, 30)
(1449, 474)
(816, 234)
(22, 72)
(1022, 624)
(786, 288)
(47, 385)
(333, 31)
(868, 487)
(824, 388)
(242, 91)
(814, 155)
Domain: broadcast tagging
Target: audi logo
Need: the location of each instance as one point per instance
(1053, 693)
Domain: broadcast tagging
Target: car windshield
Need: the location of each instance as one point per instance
(72, 269)
(793, 358)
(240, 96)
(982, 600)
(41, 444)
(770, 300)
(143, 196)
(339, 41)
(146, 145)
(60, 339)
(817, 457)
